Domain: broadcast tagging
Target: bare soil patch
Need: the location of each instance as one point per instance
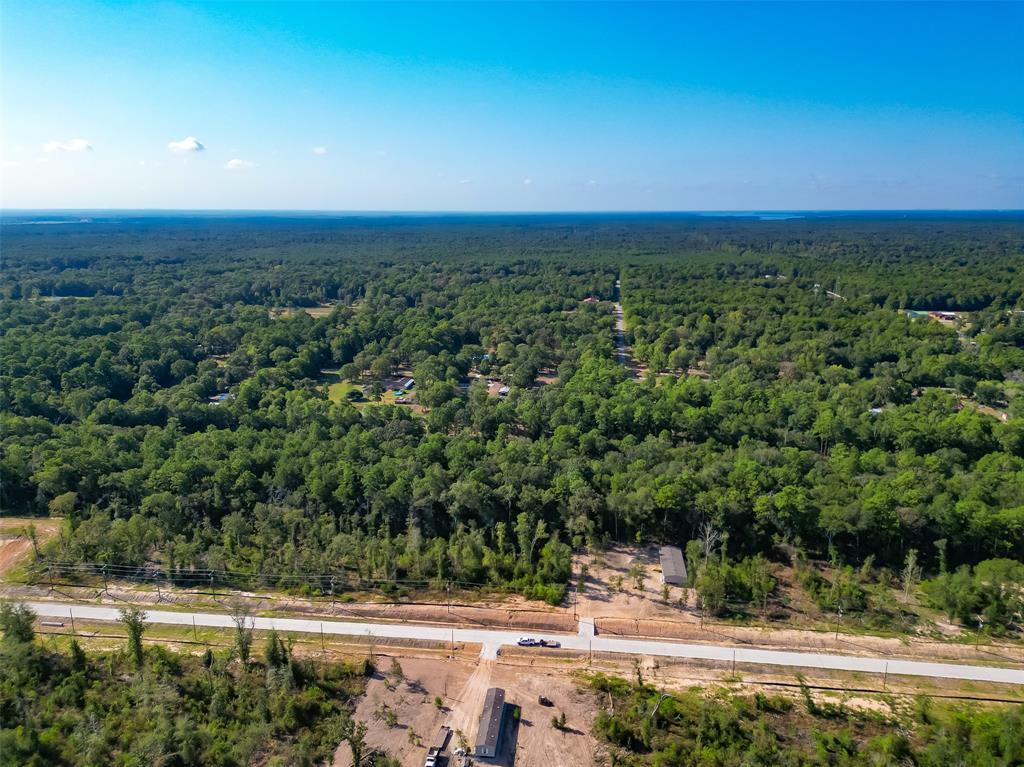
(411, 704)
(539, 743)
(12, 551)
(15, 545)
(547, 377)
(463, 687)
(625, 583)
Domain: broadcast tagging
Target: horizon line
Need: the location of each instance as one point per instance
(502, 212)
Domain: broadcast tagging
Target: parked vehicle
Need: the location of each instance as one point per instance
(545, 701)
(550, 643)
(437, 748)
(528, 642)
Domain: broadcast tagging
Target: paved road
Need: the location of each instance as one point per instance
(492, 639)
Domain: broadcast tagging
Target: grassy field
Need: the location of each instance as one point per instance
(316, 312)
(338, 391)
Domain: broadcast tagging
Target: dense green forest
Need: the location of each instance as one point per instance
(645, 726)
(152, 706)
(786, 401)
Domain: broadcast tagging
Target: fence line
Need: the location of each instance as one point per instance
(326, 586)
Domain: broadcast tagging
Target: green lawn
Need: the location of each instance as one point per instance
(337, 392)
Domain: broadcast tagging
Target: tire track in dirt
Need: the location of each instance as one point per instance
(465, 713)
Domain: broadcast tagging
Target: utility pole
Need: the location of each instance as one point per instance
(72, 614)
(322, 637)
(195, 634)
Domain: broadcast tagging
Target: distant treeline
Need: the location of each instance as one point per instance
(831, 423)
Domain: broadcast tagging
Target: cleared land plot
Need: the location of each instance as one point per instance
(400, 713)
(611, 597)
(339, 391)
(494, 388)
(316, 312)
(12, 551)
(15, 545)
(319, 311)
(392, 709)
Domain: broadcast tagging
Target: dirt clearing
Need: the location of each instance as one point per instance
(402, 718)
(12, 551)
(400, 711)
(15, 543)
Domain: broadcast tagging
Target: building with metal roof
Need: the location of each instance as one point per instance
(673, 567)
(492, 720)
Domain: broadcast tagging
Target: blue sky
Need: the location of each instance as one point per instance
(498, 106)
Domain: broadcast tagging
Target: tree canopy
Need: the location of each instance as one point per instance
(161, 388)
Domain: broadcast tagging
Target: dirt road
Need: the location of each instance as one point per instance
(465, 714)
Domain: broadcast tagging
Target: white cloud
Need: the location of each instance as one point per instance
(74, 145)
(465, 181)
(319, 151)
(591, 183)
(381, 153)
(237, 164)
(11, 163)
(527, 181)
(187, 144)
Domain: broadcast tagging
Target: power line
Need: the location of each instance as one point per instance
(341, 579)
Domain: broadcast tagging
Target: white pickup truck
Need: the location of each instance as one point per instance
(531, 642)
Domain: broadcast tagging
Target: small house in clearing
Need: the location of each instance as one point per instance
(673, 567)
